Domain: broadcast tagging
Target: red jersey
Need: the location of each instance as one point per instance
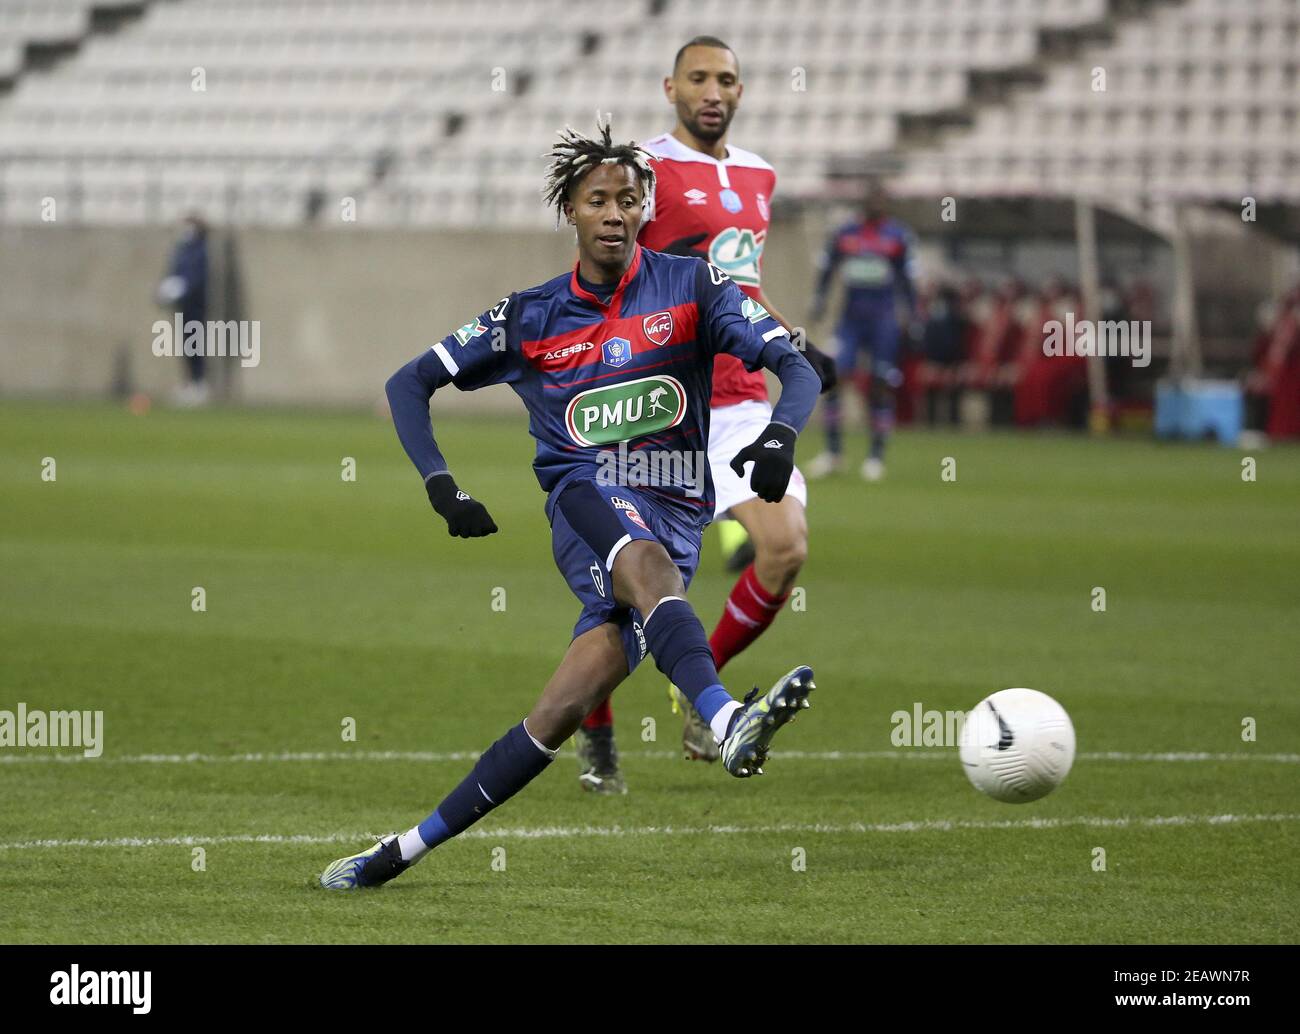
(728, 200)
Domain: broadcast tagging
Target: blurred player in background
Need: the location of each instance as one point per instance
(876, 259)
(713, 201)
(184, 289)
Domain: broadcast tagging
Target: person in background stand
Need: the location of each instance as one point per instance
(185, 290)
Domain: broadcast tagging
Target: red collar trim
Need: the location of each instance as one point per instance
(615, 299)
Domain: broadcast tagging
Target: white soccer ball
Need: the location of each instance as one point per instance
(1017, 745)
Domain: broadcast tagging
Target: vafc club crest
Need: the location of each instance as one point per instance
(618, 351)
(658, 327)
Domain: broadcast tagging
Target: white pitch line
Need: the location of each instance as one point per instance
(925, 754)
(575, 832)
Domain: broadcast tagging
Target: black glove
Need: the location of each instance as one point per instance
(465, 516)
(686, 246)
(773, 455)
(823, 364)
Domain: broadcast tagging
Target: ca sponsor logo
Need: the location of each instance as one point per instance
(752, 311)
(568, 350)
(738, 252)
(470, 330)
(618, 412)
(658, 327)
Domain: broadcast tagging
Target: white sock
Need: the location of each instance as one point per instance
(412, 845)
(722, 719)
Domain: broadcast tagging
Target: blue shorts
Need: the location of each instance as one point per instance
(590, 525)
(878, 338)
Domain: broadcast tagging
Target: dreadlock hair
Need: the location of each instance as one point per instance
(575, 155)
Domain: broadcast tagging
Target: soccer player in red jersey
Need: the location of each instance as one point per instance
(713, 200)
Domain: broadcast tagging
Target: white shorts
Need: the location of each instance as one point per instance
(731, 428)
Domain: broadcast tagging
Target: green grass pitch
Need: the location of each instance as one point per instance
(329, 600)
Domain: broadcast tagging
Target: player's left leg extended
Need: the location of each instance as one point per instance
(644, 579)
(594, 664)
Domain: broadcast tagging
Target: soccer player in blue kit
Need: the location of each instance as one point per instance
(876, 258)
(615, 355)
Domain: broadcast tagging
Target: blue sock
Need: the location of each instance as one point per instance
(504, 769)
(676, 640)
(831, 414)
(882, 422)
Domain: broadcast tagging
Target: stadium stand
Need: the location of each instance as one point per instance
(261, 107)
(1198, 101)
(273, 113)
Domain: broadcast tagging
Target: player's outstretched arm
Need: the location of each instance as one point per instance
(409, 391)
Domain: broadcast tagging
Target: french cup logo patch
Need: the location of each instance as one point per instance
(618, 351)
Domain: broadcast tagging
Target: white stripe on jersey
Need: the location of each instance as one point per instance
(446, 358)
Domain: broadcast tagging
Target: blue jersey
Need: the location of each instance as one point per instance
(876, 260)
(604, 378)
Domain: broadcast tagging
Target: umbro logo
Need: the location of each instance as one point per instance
(772, 444)
(695, 196)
